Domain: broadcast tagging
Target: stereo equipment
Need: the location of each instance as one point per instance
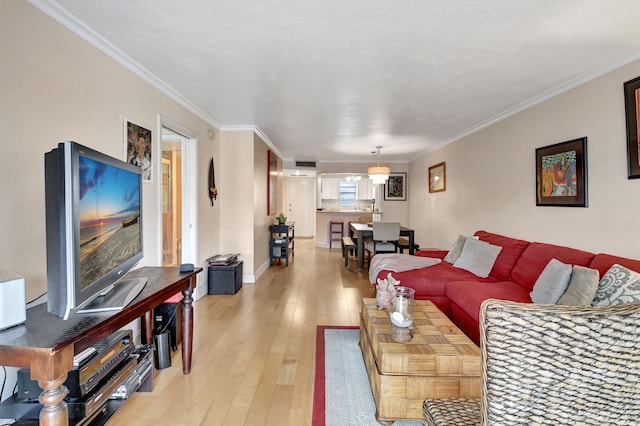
(103, 357)
(13, 307)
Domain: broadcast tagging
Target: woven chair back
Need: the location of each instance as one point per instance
(560, 365)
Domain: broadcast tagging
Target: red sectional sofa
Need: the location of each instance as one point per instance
(459, 293)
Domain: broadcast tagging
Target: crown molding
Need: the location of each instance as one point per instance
(69, 21)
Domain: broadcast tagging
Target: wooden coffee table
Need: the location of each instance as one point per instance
(439, 362)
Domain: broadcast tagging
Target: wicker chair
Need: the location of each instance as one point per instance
(552, 365)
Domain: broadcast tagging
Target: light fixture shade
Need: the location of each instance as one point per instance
(379, 174)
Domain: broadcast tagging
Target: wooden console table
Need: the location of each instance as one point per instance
(46, 343)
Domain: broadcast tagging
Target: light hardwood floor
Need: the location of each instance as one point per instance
(253, 352)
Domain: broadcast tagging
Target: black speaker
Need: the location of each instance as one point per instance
(168, 317)
(163, 352)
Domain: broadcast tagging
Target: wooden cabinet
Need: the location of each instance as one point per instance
(281, 242)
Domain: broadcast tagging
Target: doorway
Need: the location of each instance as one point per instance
(301, 197)
(178, 212)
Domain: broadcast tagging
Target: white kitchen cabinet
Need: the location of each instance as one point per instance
(365, 189)
(330, 188)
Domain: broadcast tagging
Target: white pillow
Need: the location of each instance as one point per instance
(456, 250)
(477, 257)
(552, 282)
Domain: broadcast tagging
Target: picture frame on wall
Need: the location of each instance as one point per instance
(138, 148)
(272, 182)
(438, 177)
(395, 189)
(561, 174)
(632, 108)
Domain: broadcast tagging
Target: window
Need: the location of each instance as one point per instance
(348, 194)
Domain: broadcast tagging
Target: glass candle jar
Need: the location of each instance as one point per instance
(402, 307)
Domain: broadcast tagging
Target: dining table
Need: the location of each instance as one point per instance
(364, 231)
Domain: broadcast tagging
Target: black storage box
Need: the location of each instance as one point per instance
(225, 279)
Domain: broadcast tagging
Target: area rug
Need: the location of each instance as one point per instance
(342, 396)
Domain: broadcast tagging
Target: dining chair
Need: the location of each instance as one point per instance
(385, 238)
(552, 365)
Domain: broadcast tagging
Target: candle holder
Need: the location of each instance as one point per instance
(401, 314)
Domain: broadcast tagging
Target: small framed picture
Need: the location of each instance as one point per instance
(438, 177)
(561, 174)
(138, 148)
(396, 187)
(632, 108)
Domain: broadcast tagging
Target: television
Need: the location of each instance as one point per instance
(93, 230)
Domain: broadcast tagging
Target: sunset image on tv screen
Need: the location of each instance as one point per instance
(109, 218)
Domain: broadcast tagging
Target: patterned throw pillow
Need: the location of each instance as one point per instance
(618, 285)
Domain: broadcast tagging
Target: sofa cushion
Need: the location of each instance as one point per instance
(582, 287)
(536, 256)
(469, 295)
(477, 257)
(602, 262)
(439, 254)
(511, 251)
(552, 282)
(618, 285)
(431, 281)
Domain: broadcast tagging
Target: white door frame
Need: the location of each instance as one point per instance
(189, 149)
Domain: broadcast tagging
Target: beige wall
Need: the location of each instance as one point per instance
(491, 176)
(57, 87)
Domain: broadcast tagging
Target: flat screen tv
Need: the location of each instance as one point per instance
(93, 228)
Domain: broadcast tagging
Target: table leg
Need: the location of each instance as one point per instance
(411, 245)
(54, 411)
(360, 250)
(187, 327)
(147, 328)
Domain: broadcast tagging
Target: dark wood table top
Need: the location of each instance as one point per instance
(47, 333)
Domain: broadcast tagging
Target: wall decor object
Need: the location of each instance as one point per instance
(561, 174)
(632, 107)
(272, 182)
(138, 148)
(213, 191)
(395, 189)
(438, 177)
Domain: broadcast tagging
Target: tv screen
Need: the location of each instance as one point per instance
(109, 209)
(94, 230)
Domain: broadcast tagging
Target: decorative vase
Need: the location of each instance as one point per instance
(401, 314)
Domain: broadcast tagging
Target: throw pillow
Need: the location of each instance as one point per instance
(477, 257)
(455, 251)
(551, 283)
(582, 287)
(618, 285)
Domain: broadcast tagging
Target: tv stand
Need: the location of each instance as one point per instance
(117, 297)
(46, 343)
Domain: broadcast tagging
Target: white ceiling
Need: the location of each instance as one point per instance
(331, 79)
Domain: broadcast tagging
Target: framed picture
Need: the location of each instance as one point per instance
(272, 183)
(396, 187)
(138, 148)
(438, 177)
(632, 107)
(561, 174)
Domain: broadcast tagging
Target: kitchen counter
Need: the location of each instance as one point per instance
(323, 217)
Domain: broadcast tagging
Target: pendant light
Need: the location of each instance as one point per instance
(378, 173)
